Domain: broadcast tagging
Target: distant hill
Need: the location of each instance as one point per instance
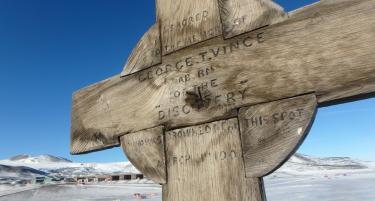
(17, 172)
(60, 166)
(327, 162)
(39, 159)
(300, 164)
(19, 157)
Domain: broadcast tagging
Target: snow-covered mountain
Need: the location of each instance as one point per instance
(300, 164)
(327, 163)
(61, 166)
(7, 172)
(38, 159)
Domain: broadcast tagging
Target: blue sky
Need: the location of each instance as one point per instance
(49, 49)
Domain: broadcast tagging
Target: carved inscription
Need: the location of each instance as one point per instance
(272, 131)
(199, 157)
(220, 128)
(240, 16)
(147, 145)
(196, 84)
(183, 26)
(274, 118)
(202, 57)
(147, 141)
(193, 21)
(213, 156)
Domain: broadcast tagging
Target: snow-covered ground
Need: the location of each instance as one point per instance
(6, 190)
(302, 178)
(103, 192)
(305, 178)
(352, 187)
(326, 187)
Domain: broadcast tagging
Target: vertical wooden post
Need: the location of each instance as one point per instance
(204, 162)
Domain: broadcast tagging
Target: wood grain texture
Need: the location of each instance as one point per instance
(184, 23)
(145, 150)
(326, 48)
(271, 132)
(146, 53)
(205, 162)
(240, 16)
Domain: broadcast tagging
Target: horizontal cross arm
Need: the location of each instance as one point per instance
(326, 48)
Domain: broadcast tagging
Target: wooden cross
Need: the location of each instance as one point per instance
(219, 93)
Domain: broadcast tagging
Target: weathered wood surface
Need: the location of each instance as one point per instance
(145, 150)
(240, 16)
(146, 53)
(326, 48)
(271, 132)
(205, 162)
(184, 23)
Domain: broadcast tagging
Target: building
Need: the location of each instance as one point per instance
(107, 178)
(70, 180)
(42, 180)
